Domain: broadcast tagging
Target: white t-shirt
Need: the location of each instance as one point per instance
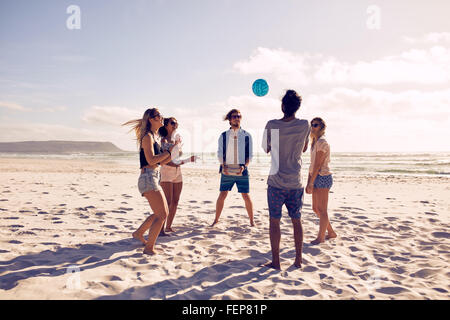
(232, 158)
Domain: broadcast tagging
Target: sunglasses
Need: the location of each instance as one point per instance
(158, 115)
(234, 116)
(315, 125)
(173, 123)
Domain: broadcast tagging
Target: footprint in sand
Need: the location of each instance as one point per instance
(30, 233)
(109, 226)
(16, 226)
(391, 290)
(444, 235)
(118, 211)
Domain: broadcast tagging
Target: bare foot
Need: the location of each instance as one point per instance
(252, 224)
(297, 263)
(169, 229)
(150, 252)
(316, 241)
(139, 237)
(273, 265)
(331, 236)
(214, 223)
(163, 234)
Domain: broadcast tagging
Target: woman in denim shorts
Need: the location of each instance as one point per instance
(320, 179)
(151, 157)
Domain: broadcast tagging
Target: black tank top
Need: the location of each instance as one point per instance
(156, 149)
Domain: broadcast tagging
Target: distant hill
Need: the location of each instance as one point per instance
(59, 147)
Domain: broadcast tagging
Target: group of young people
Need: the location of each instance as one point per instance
(286, 139)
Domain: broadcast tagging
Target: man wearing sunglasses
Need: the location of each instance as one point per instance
(234, 153)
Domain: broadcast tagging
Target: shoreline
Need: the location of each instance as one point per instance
(22, 164)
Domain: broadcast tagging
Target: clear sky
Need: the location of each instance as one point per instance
(378, 72)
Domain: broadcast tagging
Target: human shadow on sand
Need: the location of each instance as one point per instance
(50, 263)
(205, 283)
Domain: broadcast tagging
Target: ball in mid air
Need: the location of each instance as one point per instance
(260, 87)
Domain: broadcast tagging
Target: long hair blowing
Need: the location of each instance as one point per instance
(142, 127)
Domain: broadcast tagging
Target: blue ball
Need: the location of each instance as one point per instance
(260, 87)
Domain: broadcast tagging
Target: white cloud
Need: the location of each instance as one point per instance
(13, 106)
(418, 66)
(377, 120)
(429, 38)
(288, 67)
(110, 115)
(53, 109)
(433, 104)
(18, 107)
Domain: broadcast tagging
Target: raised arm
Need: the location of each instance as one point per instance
(152, 159)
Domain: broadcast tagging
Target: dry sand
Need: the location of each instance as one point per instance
(65, 232)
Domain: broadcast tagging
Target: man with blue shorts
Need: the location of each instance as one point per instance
(286, 139)
(234, 153)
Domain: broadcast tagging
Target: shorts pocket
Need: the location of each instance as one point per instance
(142, 183)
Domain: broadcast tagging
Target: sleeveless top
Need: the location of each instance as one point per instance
(156, 149)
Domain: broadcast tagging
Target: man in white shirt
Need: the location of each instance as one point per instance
(234, 154)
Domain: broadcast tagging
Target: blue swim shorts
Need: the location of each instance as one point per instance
(242, 182)
(323, 182)
(293, 199)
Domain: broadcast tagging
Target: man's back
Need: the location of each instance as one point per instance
(286, 153)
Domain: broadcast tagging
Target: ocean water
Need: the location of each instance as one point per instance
(412, 164)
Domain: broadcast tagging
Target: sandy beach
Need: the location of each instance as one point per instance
(65, 232)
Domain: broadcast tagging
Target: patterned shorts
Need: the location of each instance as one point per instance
(293, 199)
(323, 182)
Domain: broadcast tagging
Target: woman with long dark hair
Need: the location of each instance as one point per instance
(171, 177)
(151, 157)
